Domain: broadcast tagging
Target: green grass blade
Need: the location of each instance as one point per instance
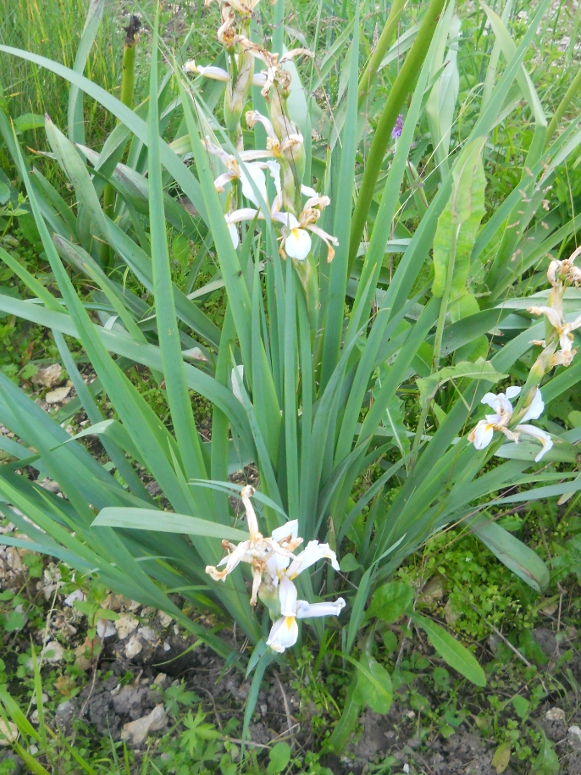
(153, 519)
(338, 271)
(182, 174)
(76, 122)
(171, 354)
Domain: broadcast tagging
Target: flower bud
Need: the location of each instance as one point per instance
(236, 97)
(282, 124)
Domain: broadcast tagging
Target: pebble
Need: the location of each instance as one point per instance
(8, 732)
(48, 375)
(50, 485)
(164, 619)
(555, 714)
(160, 679)
(135, 732)
(53, 652)
(57, 395)
(125, 625)
(105, 628)
(13, 560)
(133, 647)
(574, 737)
(148, 634)
(76, 595)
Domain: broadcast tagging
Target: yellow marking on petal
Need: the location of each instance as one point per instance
(289, 622)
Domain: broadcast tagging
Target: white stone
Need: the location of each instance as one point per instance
(8, 732)
(56, 652)
(57, 395)
(48, 375)
(50, 485)
(574, 737)
(133, 647)
(555, 714)
(164, 619)
(148, 634)
(125, 625)
(76, 595)
(13, 560)
(105, 628)
(135, 732)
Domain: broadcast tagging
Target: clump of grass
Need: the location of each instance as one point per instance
(53, 29)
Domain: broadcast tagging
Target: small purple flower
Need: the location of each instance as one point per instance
(398, 128)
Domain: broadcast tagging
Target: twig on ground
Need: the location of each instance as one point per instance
(289, 718)
(216, 713)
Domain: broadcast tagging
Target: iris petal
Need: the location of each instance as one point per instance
(284, 634)
(298, 244)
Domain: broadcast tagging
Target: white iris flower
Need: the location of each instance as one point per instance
(285, 631)
(296, 240)
(250, 170)
(274, 566)
(481, 435)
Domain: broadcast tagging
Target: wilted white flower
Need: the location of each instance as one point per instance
(564, 271)
(255, 550)
(481, 435)
(274, 71)
(564, 331)
(216, 73)
(273, 144)
(245, 8)
(251, 170)
(274, 566)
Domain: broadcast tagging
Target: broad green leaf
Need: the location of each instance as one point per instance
(521, 705)
(352, 708)
(456, 232)
(560, 453)
(451, 651)
(167, 522)
(547, 762)
(29, 120)
(501, 758)
(518, 557)
(390, 601)
(349, 563)
(374, 687)
(279, 757)
(480, 370)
